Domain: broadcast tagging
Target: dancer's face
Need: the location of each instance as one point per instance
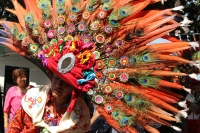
(60, 89)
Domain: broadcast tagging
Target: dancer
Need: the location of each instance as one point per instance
(100, 47)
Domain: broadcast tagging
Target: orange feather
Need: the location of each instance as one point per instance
(165, 117)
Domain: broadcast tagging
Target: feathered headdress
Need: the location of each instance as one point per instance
(101, 47)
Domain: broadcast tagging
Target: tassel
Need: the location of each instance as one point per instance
(194, 45)
(184, 113)
(186, 29)
(187, 89)
(176, 128)
(196, 65)
(185, 21)
(183, 104)
(178, 8)
(177, 117)
(194, 76)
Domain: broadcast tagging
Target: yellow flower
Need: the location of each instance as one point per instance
(85, 56)
(73, 47)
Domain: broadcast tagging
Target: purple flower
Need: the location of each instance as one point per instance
(43, 58)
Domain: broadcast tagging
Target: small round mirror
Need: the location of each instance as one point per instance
(66, 63)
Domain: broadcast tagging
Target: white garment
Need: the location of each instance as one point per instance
(34, 102)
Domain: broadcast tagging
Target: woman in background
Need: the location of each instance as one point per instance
(14, 95)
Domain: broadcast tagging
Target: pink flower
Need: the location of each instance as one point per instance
(51, 33)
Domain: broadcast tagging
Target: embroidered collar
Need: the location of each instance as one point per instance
(53, 119)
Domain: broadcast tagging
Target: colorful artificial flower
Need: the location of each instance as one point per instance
(85, 56)
(51, 33)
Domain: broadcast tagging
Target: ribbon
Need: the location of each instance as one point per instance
(61, 44)
(55, 49)
(85, 56)
(44, 60)
(85, 73)
(73, 47)
(89, 77)
(86, 46)
(50, 51)
(85, 87)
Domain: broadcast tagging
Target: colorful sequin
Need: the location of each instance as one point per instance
(111, 62)
(123, 77)
(124, 61)
(99, 64)
(61, 30)
(70, 28)
(86, 39)
(90, 92)
(119, 43)
(108, 108)
(47, 23)
(107, 89)
(94, 26)
(81, 27)
(34, 47)
(108, 49)
(85, 15)
(51, 33)
(108, 29)
(100, 38)
(61, 19)
(69, 38)
(96, 54)
(98, 99)
(35, 32)
(119, 94)
(102, 14)
(72, 17)
(99, 75)
(112, 76)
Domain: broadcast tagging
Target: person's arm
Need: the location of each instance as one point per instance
(94, 117)
(5, 120)
(6, 109)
